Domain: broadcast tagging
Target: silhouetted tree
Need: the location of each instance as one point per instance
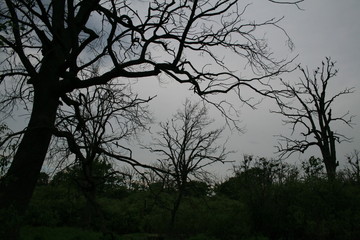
(354, 170)
(313, 168)
(51, 48)
(307, 106)
(187, 144)
(101, 120)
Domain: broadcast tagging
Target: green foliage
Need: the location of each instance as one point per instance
(197, 189)
(255, 203)
(43, 179)
(9, 219)
(55, 205)
(123, 216)
(313, 168)
(103, 175)
(294, 208)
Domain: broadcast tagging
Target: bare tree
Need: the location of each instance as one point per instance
(307, 107)
(51, 48)
(353, 171)
(186, 145)
(98, 123)
(99, 120)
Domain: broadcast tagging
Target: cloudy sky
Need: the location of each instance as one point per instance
(323, 28)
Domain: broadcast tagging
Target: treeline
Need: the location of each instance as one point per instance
(263, 199)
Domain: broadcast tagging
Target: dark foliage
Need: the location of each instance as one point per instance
(255, 203)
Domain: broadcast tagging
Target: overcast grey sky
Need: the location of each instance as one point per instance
(324, 28)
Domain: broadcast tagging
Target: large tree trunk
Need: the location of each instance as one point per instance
(18, 185)
(329, 156)
(330, 165)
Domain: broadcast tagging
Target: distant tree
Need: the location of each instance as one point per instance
(313, 168)
(307, 107)
(43, 179)
(268, 171)
(354, 170)
(187, 144)
(50, 49)
(258, 183)
(253, 177)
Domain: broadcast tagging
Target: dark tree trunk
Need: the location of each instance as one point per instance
(329, 157)
(17, 186)
(330, 165)
(95, 216)
(175, 209)
(176, 206)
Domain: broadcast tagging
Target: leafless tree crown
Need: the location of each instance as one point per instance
(307, 107)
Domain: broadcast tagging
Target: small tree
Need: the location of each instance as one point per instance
(313, 168)
(307, 106)
(187, 145)
(354, 170)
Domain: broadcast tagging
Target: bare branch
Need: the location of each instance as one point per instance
(308, 110)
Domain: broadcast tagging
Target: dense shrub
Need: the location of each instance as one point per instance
(256, 203)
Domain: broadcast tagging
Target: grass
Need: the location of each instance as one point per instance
(58, 233)
(69, 233)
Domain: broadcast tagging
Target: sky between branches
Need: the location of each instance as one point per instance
(323, 28)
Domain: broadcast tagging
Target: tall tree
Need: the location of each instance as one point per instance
(50, 48)
(186, 145)
(307, 107)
